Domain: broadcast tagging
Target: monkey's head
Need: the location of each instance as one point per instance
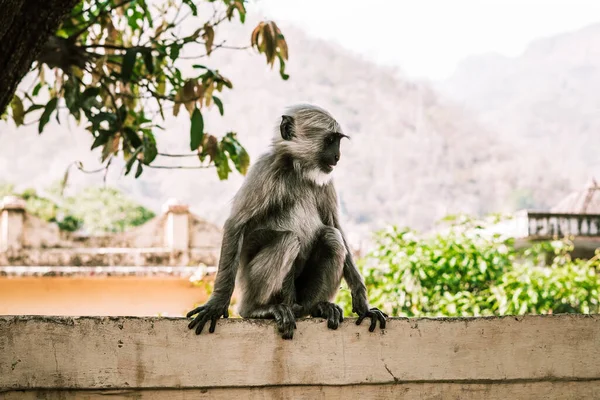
(311, 136)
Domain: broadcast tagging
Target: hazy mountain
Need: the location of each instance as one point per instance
(545, 101)
(413, 157)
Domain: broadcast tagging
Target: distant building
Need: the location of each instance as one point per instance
(576, 216)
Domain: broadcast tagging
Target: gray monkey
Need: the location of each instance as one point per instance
(282, 243)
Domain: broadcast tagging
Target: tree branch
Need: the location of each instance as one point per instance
(177, 155)
(179, 166)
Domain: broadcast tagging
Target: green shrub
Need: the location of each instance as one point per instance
(465, 270)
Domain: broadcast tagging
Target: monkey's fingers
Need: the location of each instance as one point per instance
(201, 324)
(333, 318)
(288, 334)
(341, 313)
(213, 324)
(285, 321)
(196, 320)
(382, 320)
(381, 316)
(194, 311)
(361, 318)
(286, 327)
(374, 320)
(278, 320)
(226, 314)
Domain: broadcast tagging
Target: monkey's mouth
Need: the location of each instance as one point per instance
(327, 168)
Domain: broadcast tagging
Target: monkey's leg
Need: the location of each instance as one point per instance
(267, 289)
(319, 281)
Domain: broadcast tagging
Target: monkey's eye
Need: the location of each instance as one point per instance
(330, 139)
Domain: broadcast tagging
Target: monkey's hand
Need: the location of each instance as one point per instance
(284, 317)
(331, 312)
(211, 311)
(361, 307)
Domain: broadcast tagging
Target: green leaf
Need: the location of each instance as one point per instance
(161, 87)
(122, 114)
(230, 144)
(50, 107)
(223, 168)
(148, 61)
(150, 150)
(71, 96)
(243, 162)
(132, 137)
(100, 117)
(37, 88)
(128, 64)
(18, 113)
(174, 51)
(90, 93)
(219, 104)
(197, 129)
(139, 170)
(101, 139)
(192, 6)
(131, 160)
(34, 107)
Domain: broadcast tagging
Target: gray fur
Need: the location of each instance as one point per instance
(283, 240)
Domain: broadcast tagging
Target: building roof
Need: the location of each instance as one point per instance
(585, 201)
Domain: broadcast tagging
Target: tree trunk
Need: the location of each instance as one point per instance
(25, 26)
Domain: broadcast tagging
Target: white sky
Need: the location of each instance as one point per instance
(427, 38)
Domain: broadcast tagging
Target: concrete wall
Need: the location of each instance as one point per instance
(533, 357)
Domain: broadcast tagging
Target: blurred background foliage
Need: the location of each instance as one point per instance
(92, 210)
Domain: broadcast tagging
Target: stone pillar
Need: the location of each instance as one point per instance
(12, 216)
(177, 227)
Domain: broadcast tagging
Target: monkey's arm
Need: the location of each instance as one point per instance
(352, 276)
(218, 304)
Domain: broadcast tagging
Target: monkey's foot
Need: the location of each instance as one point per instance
(331, 312)
(286, 322)
(376, 315)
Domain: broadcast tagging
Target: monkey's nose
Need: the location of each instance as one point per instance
(337, 158)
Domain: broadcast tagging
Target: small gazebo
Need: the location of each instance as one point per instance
(577, 216)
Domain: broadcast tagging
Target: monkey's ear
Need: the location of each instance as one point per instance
(287, 127)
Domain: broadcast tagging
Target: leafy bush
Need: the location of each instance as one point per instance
(466, 270)
(104, 209)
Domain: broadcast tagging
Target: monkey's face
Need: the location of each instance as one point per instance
(313, 138)
(330, 152)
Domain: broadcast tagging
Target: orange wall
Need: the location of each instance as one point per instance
(122, 295)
